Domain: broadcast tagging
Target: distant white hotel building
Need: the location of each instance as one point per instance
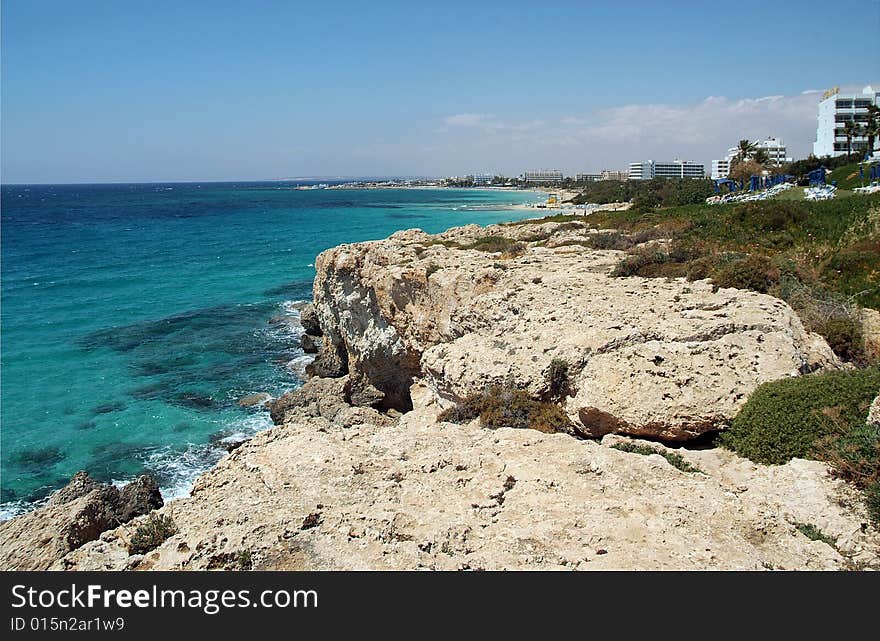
(543, 176)
(835, 110)
(776, 152)
(675, 169)
(483, 179)
(587, 177)
(610, 174)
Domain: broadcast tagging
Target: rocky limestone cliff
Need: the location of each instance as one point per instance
(665, 359)
(74, 515)
(359, 473)
(312, 494)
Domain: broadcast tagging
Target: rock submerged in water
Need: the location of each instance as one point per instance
(76, 514)
(253, 400)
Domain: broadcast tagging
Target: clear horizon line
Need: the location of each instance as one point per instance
(212, 181)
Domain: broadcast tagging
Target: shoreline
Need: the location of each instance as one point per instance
(173, 487)
(336, 484)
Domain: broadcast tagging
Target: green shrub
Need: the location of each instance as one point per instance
(770, 215)
(830, 315)
(492, 244)
(844, 336)
(786, 418)
(700, 268)
(152, 533)
(673, 458)
(872, 500)
(854, 454)
(506, 407)
(558, 383)
(245, 560)
(641, 263)
(756, 273)
(609, 240)
(463, 412)
(815, 534)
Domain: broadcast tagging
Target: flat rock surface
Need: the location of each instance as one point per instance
(309, 495)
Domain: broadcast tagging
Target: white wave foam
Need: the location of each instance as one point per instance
(294, 307)
(179, 470)
(298, 365)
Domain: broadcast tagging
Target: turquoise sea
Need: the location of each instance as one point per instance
(135, 316)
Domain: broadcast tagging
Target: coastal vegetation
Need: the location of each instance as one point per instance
(815, 534)
(674, 459)
(647, 194)
(504, 406)
(152, 533)
(819, 416)
(823, 258)
(557, 377)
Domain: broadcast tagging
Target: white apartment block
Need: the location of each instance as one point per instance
(610, 174)
(835, 110)
(675, 169)
(543, 176)
(483, 179)
(721, 167)
(776, 153)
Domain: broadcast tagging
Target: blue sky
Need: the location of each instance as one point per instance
(125, 91)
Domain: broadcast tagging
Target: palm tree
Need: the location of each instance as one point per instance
(872, 126)
(745, 149)
(850, 130)
(761, 157)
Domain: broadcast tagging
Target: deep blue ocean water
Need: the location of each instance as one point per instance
(135, 316)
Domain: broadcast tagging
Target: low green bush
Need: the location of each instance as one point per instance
(557, 377)
(673, 458)
(845, 337)
(641, 263)
(610, 240)
(815, 534)
(753, 272)
(493, 244)
(152, 533)
(245, 560)
(500, 406)
(786, 418)
(821, 416)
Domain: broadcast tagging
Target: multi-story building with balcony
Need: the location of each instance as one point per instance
(543, 176)
(483, 179)
(675, 169)
(835, 110)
